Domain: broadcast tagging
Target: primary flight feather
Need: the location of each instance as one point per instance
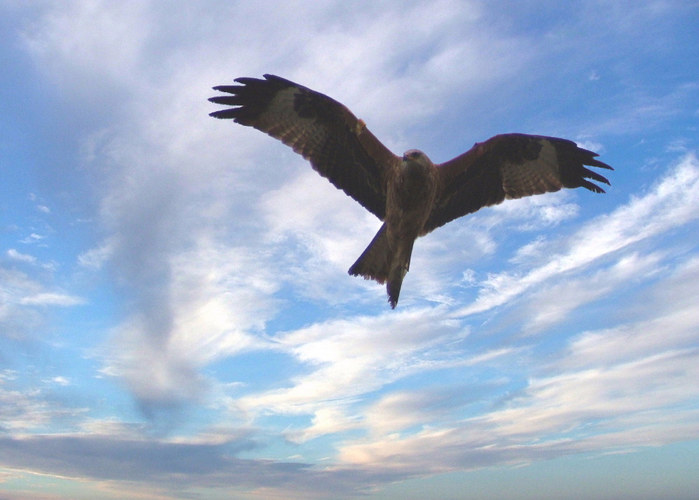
(409, 193)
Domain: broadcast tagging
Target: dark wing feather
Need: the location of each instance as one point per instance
(338, 145)
(510, 166)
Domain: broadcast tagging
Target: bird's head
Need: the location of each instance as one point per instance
(414, 159)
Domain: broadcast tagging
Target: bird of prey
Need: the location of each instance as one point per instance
(409, 193)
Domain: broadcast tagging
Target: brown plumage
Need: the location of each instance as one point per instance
(410, 194)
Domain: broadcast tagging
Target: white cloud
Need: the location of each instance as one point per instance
(33, 238)
(347, 358)
(26, 410)
(19, 256)
(670, 204)
(616, 389)
(552, 304)
(88, 44)
(589, 410)
(61, 380)
(346, 361)
(670, 323)
(400, 410)
(217, 299)
(329, 418)
(22, 298)
(537, 212)
(95, 258)
(51, 299)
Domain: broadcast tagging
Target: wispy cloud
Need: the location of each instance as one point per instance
(605, 390)
(25, 411)
(218, 298)
(21, 257)
(20, 297)
(346, 358)
(51, 299)
(670, 204)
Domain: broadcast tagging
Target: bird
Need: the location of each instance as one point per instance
(409, 193)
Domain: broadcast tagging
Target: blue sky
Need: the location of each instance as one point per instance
(176, 317)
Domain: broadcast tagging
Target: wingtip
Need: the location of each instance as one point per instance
(269, 76)
(591, 186)
(596, 163)
(224, 114)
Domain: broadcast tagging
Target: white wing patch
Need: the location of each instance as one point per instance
(283, 122)
(537, 176)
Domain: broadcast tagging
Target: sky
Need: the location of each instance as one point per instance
(176, 317)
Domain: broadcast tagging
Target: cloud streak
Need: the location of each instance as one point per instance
(672, 203)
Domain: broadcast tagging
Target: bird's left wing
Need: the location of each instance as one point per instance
(510, 166)
(325, 132)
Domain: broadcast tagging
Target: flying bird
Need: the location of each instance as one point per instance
(409, 193)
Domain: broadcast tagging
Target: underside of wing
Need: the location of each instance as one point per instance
(338, 145)
(511, 166)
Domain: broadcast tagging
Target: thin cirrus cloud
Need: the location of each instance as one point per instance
(671, 203)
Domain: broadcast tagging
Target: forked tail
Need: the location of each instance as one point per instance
(379, 262)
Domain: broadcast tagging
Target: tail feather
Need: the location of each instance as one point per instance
(379, 262)
(399, 268)
(374, 261)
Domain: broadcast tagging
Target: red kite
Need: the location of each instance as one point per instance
(409, 193)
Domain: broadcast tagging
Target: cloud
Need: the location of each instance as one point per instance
(212, 306)
(346, 363)
(616, 389)
(162, 464)
(52, 299)
(179, 468)
(553, 304)
(21, 299)
(671, 203)
(86, 44)
(33, 238)
(399, 411)
(173, 244)
(672, 323)
(348, 358)
(21, 257)
(95, 258)
(590, 410)
(25, 410)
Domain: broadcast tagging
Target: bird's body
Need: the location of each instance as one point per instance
(410, 194)
(409, 201)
